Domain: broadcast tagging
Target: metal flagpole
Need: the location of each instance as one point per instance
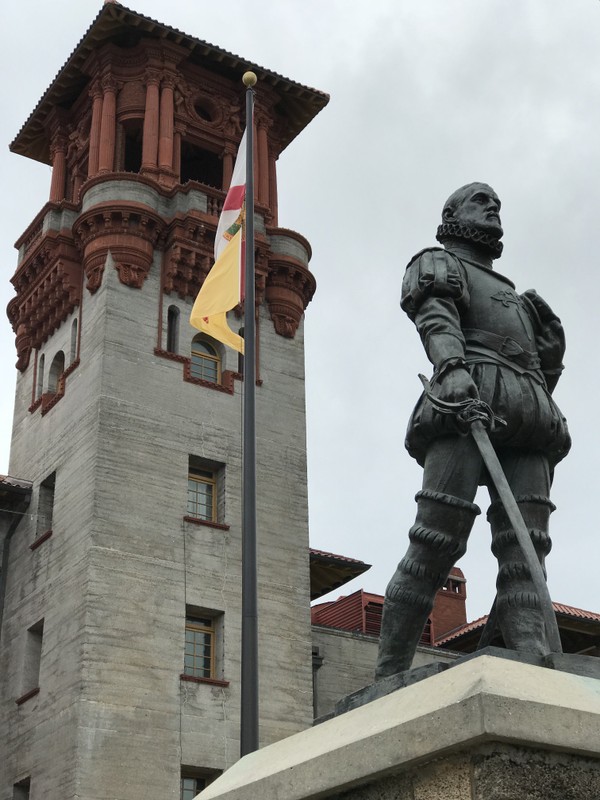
(249, 700)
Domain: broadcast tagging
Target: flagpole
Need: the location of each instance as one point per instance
(249, 698)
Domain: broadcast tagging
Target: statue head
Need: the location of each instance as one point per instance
(472, 213)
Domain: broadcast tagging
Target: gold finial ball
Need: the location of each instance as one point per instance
(249, 79)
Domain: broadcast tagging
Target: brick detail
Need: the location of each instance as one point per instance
(27, 696)
(290, 287)
(130, 232)
(40, 540)
(195, 521)
(194, 679)
(48, 287)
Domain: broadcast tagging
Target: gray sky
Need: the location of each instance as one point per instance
(426, 95)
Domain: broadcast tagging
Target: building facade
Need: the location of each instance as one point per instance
(120, 638)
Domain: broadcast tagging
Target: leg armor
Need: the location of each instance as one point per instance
(437, 540)
(519, 615)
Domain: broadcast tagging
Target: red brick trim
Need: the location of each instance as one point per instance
(195, 521)
(40, 540)
(49, 399)
(170, 356)
(226, 386)
(31, 693)
(194, 679)
(227, 376)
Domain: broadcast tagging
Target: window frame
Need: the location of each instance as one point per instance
(197, 371)
(197, 774)
(206, 626)
(205, 477)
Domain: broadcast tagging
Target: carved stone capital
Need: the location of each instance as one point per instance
(169, 82)
(109, 84)
(95, 90)
(153, 76)
(129, 233)
(58, 145)
(289, 289)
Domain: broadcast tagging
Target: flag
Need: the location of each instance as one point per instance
(223, 288)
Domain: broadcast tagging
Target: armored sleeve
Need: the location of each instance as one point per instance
(549, 336)
(434, 294)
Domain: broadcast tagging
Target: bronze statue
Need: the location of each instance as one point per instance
(488, 343)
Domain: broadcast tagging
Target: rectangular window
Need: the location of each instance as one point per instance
(202, 494)
(190, 787)
(194, 780)
(21, 790)
(206, 490)
(33, 656)
(45, 509)
(200, 649)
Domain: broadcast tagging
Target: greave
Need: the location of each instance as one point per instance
(437, 540)
(520, 617)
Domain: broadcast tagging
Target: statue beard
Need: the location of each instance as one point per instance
(454, 230)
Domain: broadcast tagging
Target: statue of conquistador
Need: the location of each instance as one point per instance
(486, 341)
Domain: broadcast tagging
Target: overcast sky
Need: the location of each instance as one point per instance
(426, 95)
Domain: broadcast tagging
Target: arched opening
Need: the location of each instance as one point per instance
(198, 164)
(132, 145)
(205, 361)
(56, 370)
(73, 353)
(173, 329)
(40, 376)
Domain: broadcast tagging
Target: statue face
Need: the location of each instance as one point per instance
(480, 209)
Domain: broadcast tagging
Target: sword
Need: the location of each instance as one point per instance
(477, 417)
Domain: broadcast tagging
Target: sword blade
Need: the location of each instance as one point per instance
(490, 459)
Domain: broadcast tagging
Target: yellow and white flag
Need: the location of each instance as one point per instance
(223, 288)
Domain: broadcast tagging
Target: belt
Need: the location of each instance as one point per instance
(503, 346)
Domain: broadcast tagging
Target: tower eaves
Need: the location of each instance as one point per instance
(114, 23)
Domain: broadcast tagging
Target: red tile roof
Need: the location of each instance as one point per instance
(336, 557)
(559, 608)
(302, 102)
(14, 483)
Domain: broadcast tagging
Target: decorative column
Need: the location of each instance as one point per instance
(94, 152)
(177, 136)
(228, 160)
(58, 152)
(151, 116)
(263, 162)
(77, 182)
(273, 189)
(165, 142)
(106, 156)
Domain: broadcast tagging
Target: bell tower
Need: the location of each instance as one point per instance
(120, 637)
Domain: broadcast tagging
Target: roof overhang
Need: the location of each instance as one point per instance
(116, 23)
(329, 571)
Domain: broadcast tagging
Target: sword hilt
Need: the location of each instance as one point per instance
(468, 411)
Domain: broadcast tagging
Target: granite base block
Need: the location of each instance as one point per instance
(489, 728)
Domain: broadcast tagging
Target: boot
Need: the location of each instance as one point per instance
(437, 540)
(520, 617)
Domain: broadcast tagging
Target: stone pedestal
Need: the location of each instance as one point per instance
(487, 729)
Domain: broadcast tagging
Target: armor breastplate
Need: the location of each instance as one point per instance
(496, 307)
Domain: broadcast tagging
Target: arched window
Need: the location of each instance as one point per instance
(173, 329)
(56, 370)
(73, 354)
(40, 376)
(205, 363)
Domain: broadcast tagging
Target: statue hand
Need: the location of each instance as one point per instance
(456, 385)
